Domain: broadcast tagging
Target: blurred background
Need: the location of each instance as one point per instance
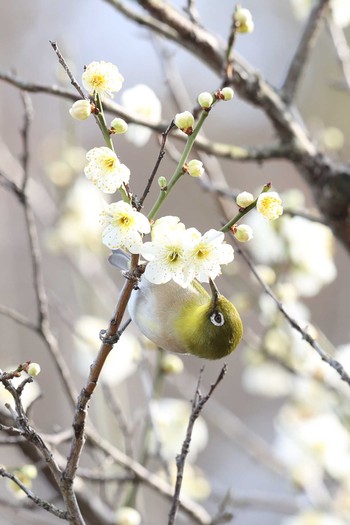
(81, 286)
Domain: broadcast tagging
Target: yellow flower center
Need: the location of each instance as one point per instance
(202, 253)
(97, 80)
(109, 163)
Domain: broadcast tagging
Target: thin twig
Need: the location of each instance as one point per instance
(38, 501)
(28, 117)
(197, 406)
(333, 363)
(79, 423)
(194, 510)
(341, 47)
(305, 46)
(17, 317)
(65, 66)
(235, 153)
(192, 11)
(157, 164)
(122, 421)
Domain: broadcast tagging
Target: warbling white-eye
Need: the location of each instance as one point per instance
(184, 320)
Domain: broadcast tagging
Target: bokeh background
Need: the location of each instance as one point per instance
(92, 30)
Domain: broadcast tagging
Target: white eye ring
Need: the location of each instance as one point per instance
(217, 319)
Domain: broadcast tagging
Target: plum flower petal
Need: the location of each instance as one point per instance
(102, 78)
(124, 227)
(269, 205)
(105, 170)
(206, 253)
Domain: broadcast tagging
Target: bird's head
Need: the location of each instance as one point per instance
(212, 329)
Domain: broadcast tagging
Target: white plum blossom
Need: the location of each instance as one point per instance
(102, 78)
(124, 227)
(269, 205)
(142, 102)
(184, 254)
(206, 253)
(105, 170)
(166, 257)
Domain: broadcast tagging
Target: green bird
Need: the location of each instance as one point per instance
(183, 320)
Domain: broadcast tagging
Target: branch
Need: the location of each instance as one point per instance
(341, 47)
(64, 64)
(302, 53)
(38, 501)
(79, 423)
(192, 509)
(17, 318)
(197, 407)
(294, 324)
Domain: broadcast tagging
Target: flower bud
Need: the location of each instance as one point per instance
(227, 93)
(162, 183)
(33, 369)
(244, 199)
(81, 109)
(172, 364)
(205, 100)
(195, 168)
(269, 205)
(243, 20)
(127, 516)
(184, 121)
(243, 233)
(119, 126)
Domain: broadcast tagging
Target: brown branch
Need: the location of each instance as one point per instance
(341, 47)
(307, 43)
(195, 511)
(79, 422)
(64, 64)
(157, 164)
(38, 501)
(333, 363)
(197, 406)
(17, 317)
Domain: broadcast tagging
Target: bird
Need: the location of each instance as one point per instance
(183, 320)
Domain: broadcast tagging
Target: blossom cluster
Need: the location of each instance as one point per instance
(174, 252)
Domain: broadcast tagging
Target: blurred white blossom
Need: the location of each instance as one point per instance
(122, 360)
(340, 10)
(78, 225)
(313, 518)
(170, 417)
(142, 102)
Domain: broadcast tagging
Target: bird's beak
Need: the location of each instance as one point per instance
(214, 291)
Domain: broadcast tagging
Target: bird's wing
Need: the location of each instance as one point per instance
(120, 259)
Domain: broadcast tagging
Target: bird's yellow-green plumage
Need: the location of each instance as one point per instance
(185, 320)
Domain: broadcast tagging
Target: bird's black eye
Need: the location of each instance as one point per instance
(217, 319)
